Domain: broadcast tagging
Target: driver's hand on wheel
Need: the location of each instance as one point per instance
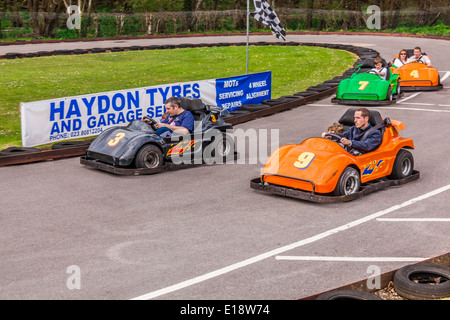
(346, 142)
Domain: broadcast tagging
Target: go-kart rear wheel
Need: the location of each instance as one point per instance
(149, 156)
(349, 182)
(226, 147)
(389, 96)
(403, 165)
(223, 147)
(399, 88)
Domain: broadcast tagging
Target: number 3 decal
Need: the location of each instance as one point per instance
(304, 160)
(117, 138)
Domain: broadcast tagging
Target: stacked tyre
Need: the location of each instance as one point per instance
(423, 282)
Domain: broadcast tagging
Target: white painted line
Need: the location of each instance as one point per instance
(410, 97)
(415, 219)
(418, 109)
(291, 246)
(444, 105)
(447, 74)
(421, 104)
(348, 259)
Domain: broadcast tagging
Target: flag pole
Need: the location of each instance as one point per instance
(248, 14)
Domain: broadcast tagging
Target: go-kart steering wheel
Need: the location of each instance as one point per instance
(334, 137)
(151, 122)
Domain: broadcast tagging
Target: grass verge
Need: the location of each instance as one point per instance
(294, 68)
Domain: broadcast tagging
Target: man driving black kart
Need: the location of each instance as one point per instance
(178, 121)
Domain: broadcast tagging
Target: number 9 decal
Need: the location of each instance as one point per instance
(117, 138)
(304, 160)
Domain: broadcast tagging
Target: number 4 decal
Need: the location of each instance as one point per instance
(304, 160)
(363, 84)
(414, 74)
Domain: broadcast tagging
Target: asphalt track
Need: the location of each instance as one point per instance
(203, 233)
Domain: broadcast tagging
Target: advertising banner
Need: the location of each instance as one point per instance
(55, 120)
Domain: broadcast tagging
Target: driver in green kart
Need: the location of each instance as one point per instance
(379, 69)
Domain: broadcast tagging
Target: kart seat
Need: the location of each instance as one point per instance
(195, 106)
(347, 119)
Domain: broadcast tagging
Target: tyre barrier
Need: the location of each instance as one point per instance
(18, 151)
(426, 280)
(62, 52)
(70, 144)
(246, 113)
(254, 107)
(13, 55)
(80, 51)
(98, 50)
(348, 295)
(423, 282)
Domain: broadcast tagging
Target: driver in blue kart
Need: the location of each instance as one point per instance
(178, 120)
(360, 138)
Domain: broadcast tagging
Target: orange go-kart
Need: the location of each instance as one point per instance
(417, 76)
(321, 170)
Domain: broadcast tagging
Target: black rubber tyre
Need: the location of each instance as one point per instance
(403, 165)
(236, 113)
(12, 151)
(399, 89)
(349, 182)
(348, 295)
(304, 93)
(70, 144)
(253, 107)
(423, 282)
(389, 96)
(149, 156)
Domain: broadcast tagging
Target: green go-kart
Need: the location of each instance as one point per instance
(364, 87)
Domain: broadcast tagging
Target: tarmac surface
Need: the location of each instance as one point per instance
(71, 232)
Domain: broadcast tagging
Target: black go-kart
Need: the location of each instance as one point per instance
(136, 149)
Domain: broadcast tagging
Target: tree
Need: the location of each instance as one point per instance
(44, 16)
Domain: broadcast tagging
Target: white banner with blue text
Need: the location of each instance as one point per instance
(59, 119)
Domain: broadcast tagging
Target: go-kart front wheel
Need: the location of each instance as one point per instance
(149, 156)
(349, 182)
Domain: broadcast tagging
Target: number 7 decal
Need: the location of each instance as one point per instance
(363, 84)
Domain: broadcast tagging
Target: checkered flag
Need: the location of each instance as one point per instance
(266, 15)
